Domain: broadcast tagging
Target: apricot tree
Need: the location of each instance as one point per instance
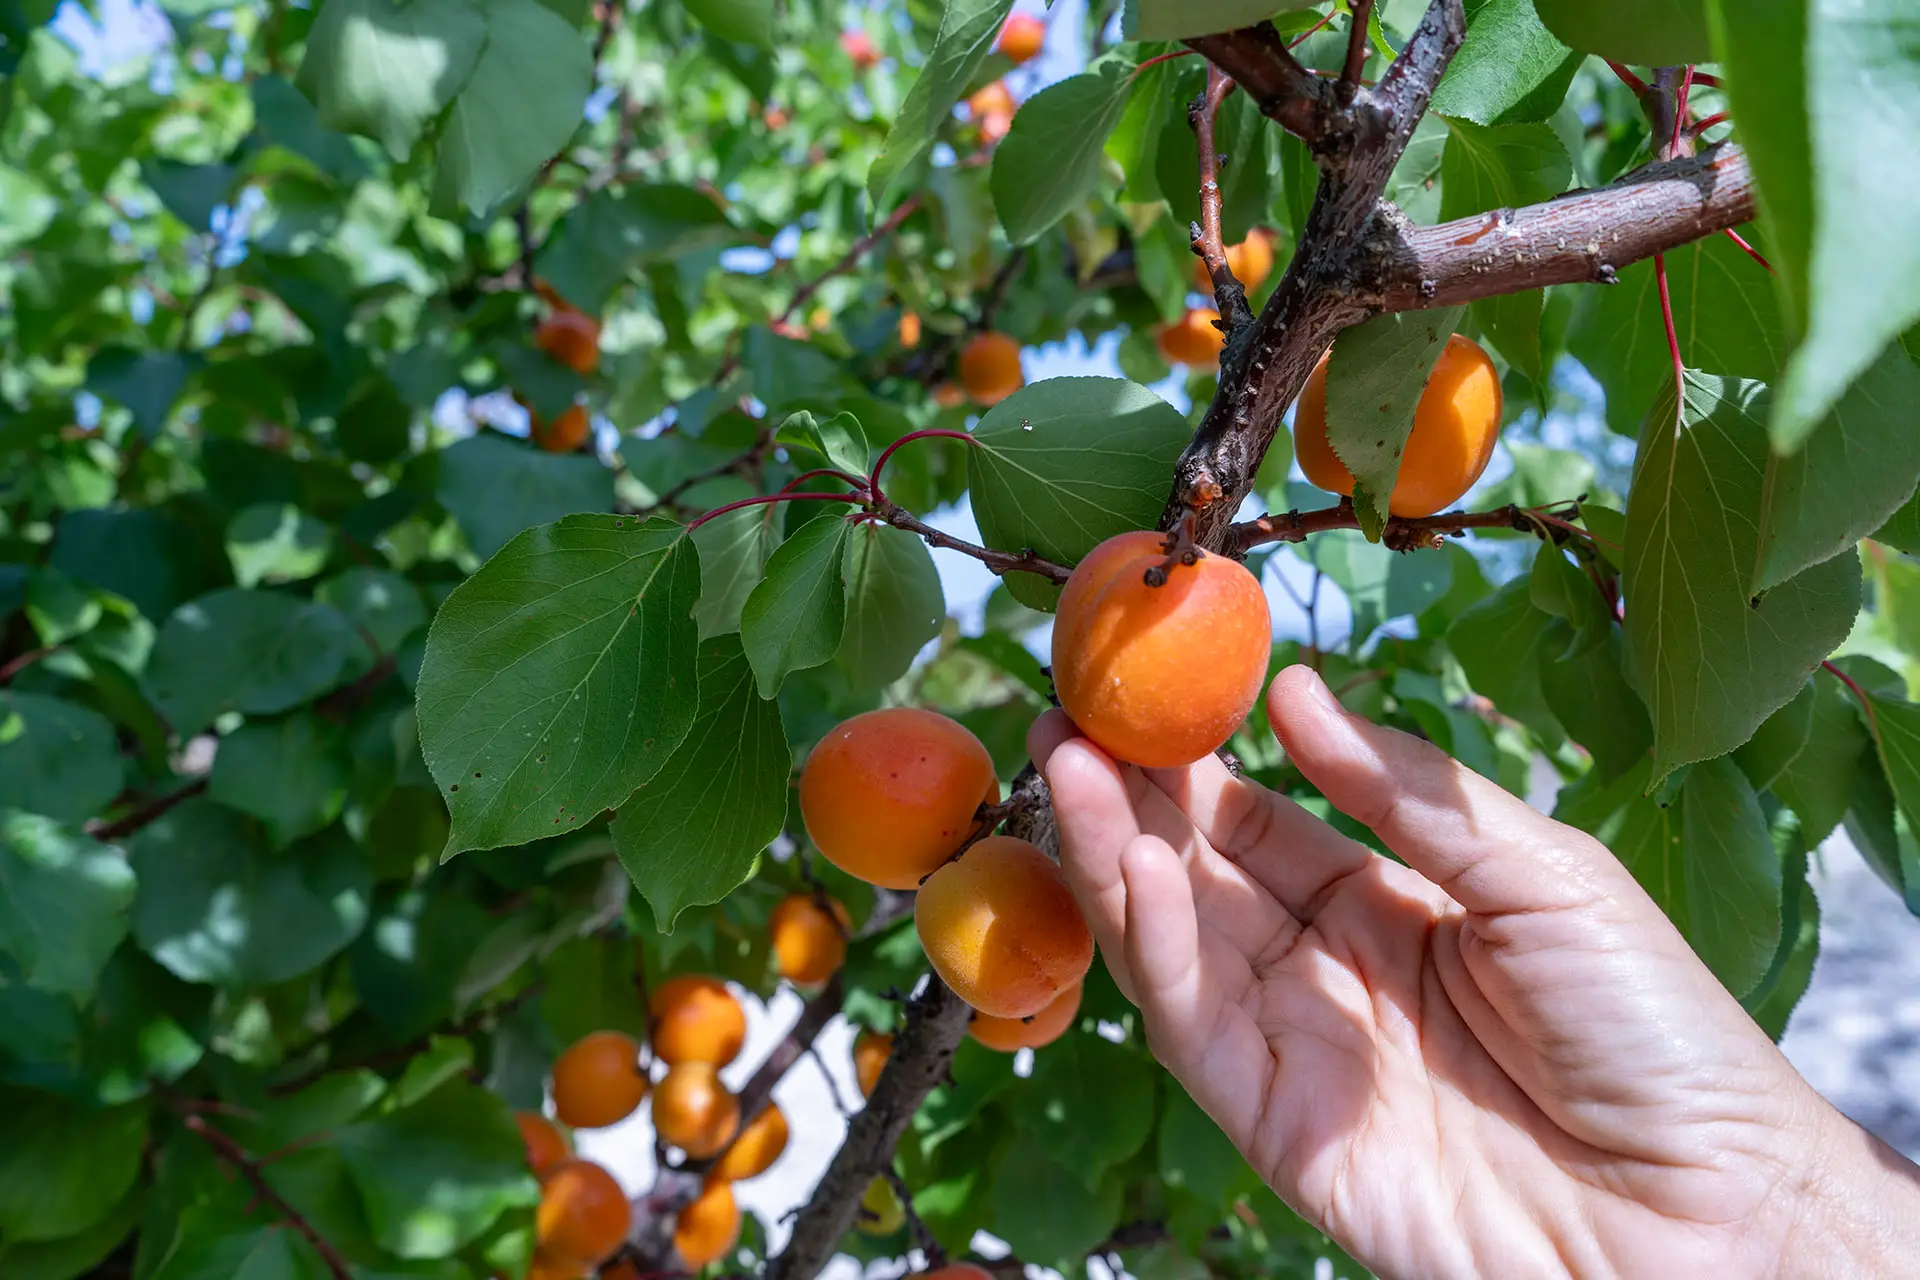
(491, 492)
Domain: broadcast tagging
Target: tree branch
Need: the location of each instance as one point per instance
(1403, 533)
(151, 811)
(1204, 236)
(1257, 59)
(234, 1155)
(1001, 562)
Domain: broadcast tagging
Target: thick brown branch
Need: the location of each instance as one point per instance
(1257, 59)
(1403, 533)
(1001, 562)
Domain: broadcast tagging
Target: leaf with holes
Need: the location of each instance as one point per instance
(1374, 381)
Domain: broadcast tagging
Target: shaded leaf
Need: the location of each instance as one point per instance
(795, 618)
(56, 758)
(1374, 381)
(291, 773)
(1050, 161)
(495, 488)
(64, 900)
(257, 652)
(1649, 33)
(384, 68)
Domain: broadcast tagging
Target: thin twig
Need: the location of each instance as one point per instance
(15, 666)
(1356, 49)
(152, 811)
(936, 1256)
(1204, 236)
(1001, 562)
(849, 260)
(1403, 533)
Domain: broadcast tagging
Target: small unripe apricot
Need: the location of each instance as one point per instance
(1159, 676)
(990, 368)
(598, 1081)
(583, 1215)
(881, 1213)
(1002, 929)
(546, 1145)
(1021, 38)
(809, 938)
(1455, 427)
(757, 1147)
(1193, 339)
(565, 434)
(696, 1019)
(572, 338)
(871, 1049)
(707, 1229)
(694, 1111)
(1046, 1026)
(1250, 261)
(888, 795)
(992, 100)
(858, 46)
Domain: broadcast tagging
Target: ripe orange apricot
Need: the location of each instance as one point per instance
(881, 1213)
(1046, 1026)
(1455, 427)
(546, 1145)
(1021, 38)
(888, 795)
(565, 434)
(958, 1271)
(546, 1267)
(572, 338)
(757, 1147)
(707, 1229)
(1192, 339)
(809, 939)
(694, 1111)
(871, 1049)
(1002, 929)
(990, 368)
(909, 329)
(1159, 676)
(598, 1081)
(949, 395)
(992, 100)
(696, 1019)
(583, 1215)
(858, 46)
(1250, 261)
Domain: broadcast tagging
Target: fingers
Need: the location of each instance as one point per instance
(1486, 848)
(1096, 821)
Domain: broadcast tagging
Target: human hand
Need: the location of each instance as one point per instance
(1499, 1059)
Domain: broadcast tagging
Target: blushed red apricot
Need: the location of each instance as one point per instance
(709, 1227)
(546, 1145)
(583, 1215)
(694, 1111)
(1000, 927)
(1046, 1026)
(696, 1019)
(565, 434)
(809, 937)
(572, 338)
(871, 1049)
(889, 795)
(1159, 676)
(757, 1147)
(958, 1271)
(598, 1081)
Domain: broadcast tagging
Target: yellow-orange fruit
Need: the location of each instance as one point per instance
(888, 795)
(546, 1267)
(583, 1215)
(694, 1111)
(992, 100)
(598, 1081)
(1021, 38)
(572, 338)
(858, 46)
(1250, 261)
(958, 1271)
(757, 1147)
(871, 1049)
(1046, 1026)
(1159, 676)
(707, 1229)
(546, 1145)
(1002, 929)
(809, 939)
(565, 434)
(909, 329)
(1193, 339)
(881, 1213)
(949, 395)
(1455, 427)
(990, 367)
(696, 1019)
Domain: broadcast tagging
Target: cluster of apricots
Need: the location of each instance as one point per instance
(571, 337)
(890, 797)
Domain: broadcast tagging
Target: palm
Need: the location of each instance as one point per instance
(1501, 1079)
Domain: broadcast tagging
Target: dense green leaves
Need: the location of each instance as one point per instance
(63, 903)
(1050, 162)
(56, 758)
(606, 236)
(1374, 381)
(63, 1166)
(966, 35)
(256, 652)
(796, 617)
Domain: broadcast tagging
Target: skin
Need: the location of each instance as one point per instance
(1498, 1059)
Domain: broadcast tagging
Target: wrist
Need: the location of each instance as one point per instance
(1854, 1208)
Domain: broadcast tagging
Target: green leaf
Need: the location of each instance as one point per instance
(1177, 19)
(215, 908)
(967, 31)
(1779, 740)
(26, 208)
(291, 773)
(495, 488)
(1510, 70)
(1773, 1001)
(796, 617)
(840, 441)
(1379, 584)
(407, 963)
(283, 117)
(384, 603)
(1374, 381)
(748, 22)
(1649, 33)
(605, 237)
(63, 904)
(734, 549)
(257, 652)
(1589, 696)
(1541, 476)
(1247, 185)
(1558, 587)
(590, 987)
(1135, 140)
(74, 1256)
(1062, 465)
(1087, 1130)
(691, 834)
(1819, 783)
(191, 192)
(559, 677)
(894, 605)
(1500, 643)
(1050, 162)
(1194, 1154)
(519, 107)
(435, 1175)
(146, 382)
(56, 759)
(63, 1167)
(211, 1244)
(1047, 1213)
(1711, 660)
(140, 554)
(384, 68)
(276, 542)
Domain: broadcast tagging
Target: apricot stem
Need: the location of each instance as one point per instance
(1748, 249)
(1162, 57)
(765, 499)
(873, 481)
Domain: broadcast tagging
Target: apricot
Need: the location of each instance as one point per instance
(992, 100)
(1193, 339)
(696, 1019)
(1455, 427)
(707, 1229)
(1002, 929)
(949, 395)
(1250, 261)
(565, 434)
(958, 1271)
(583, 1215)
(1159, 676)
(995, 125)
(871, 1049)
(1043, 1028)
(809, 937)
(990, 368)
(572, 338)
(544, 1267)
(909, 329)
(598, 1081)
(889, 795)
(881, 1213)
(1021, 38)
(858, 46)
(546, 1145)
(694, 1111)
(757, 1147)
